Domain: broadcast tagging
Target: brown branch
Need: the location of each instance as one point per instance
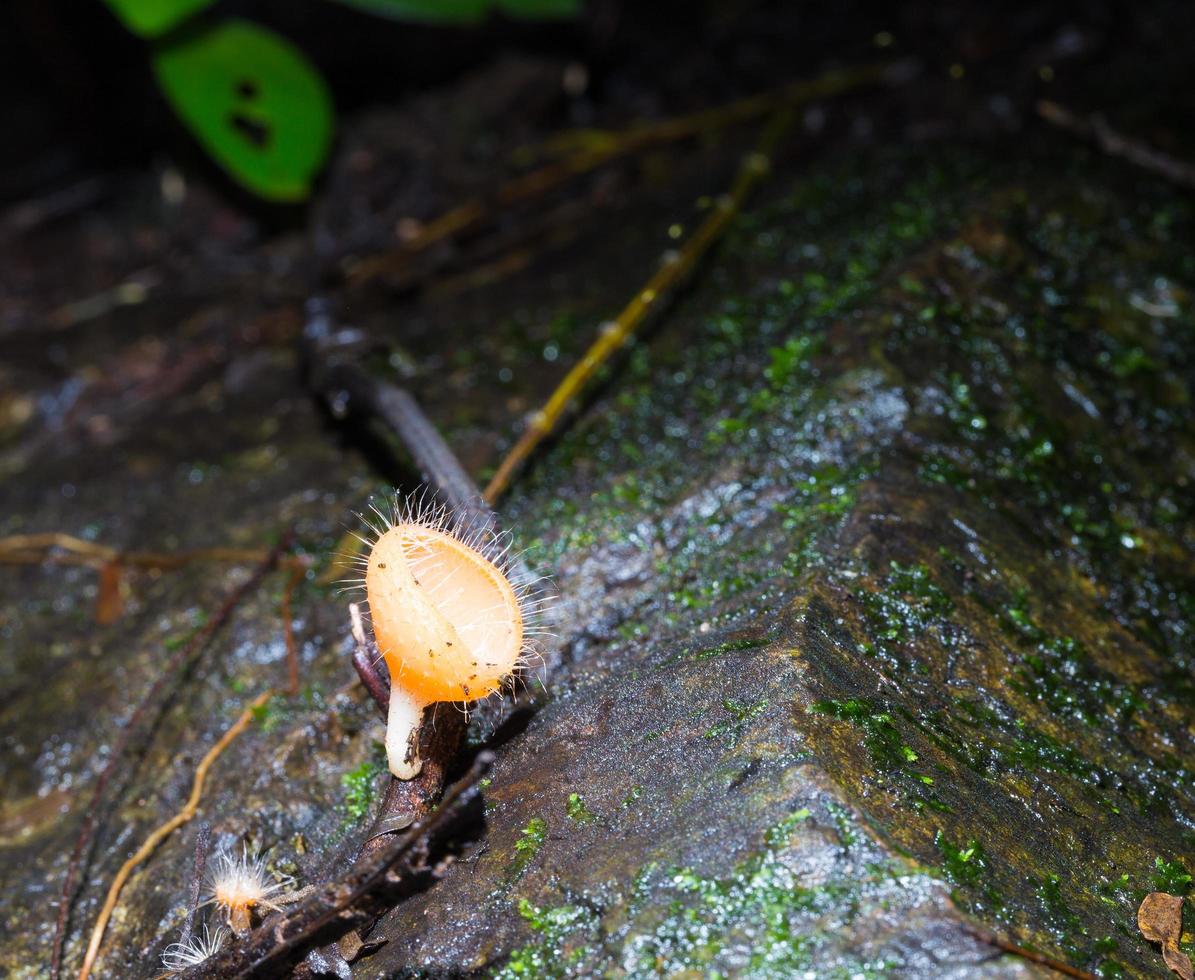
(1032, 955)
(35, 549)
(335, 372)
(366, 661)
(203, 844)
(1137, 152)
(340, 906)
(165, 830)
(177, 664)
(599, 149)
(616, 333)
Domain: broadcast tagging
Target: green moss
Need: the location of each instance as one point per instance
(533, 837)
(531, 840)
(1058, 671)
(729, 646)
(966, 866)
(990, 742)
(758, 920)
(908, 604)
(1116, 891)
(885, 745)
(962, 865)
(814, 505)
(577, 811)
(761, 914)
(892, 756)
(779, 835)
(549, 956)
(360, 784)
(791, 362)
(1171, 877)
(1060, 918)
(741, 713)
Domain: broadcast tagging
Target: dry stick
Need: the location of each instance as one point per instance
(1116, 144)
(473, 212)
(203, 844)
(616, 333)
(34, 549)
(176, 664)
(335, 374)
(1028, 954)
(366, 658)
(340, 906)
(165, 830)
(16, 546)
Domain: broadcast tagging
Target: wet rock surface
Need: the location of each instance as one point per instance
(909, 562)
(874, 562)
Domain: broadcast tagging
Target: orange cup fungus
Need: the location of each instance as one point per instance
(446, 617)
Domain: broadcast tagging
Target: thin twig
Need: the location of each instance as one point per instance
(165, 830)
(336, 372)
(366, 659)
(615, 334)
(601, 148)
(173, 669)
(35, 549)
(1028, 954)
(203, 844)
(348, 903)
(1137, 152)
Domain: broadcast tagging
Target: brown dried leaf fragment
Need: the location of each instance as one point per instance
(1160, 919)
(1178, 961)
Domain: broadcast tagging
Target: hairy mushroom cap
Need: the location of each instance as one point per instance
(453, 615)
(446, 618)
(242, 885)
(179, 957)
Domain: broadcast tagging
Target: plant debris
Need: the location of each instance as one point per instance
(1160, 919)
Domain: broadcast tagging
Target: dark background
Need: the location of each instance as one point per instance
(77, 95)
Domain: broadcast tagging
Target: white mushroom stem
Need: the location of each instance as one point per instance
(402, 733)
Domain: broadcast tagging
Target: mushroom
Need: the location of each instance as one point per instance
(446, 618)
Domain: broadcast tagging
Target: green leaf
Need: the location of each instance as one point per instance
(152, 18)
(254, 103)
(466, 11)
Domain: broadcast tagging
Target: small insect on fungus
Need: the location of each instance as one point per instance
(241, 886)
(179, 957)
(447, 617)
